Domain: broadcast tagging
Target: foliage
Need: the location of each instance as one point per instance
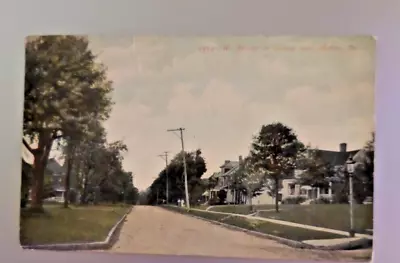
(315, 171)
(321, 200)
(293, 200)
(250, 177)
(196, 167)
(222, 194)
(365, 170)
(143, 199)
(275, 150)
(64, 88)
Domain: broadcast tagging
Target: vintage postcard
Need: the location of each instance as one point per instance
(247, 147)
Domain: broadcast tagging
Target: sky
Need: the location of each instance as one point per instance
(222, 89)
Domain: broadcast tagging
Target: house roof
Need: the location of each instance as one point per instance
(216, 175)
(229, 164)
(336, 158)
(231, 171)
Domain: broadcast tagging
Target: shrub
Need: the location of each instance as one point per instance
(321, 200)
(340, 198)
(213, 201)
(293, 200)
(222, 194)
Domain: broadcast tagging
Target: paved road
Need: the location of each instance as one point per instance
(154, 230)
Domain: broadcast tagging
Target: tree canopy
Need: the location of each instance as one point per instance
(196, 167)
(67, 98)
(315, 171)
(275, 150)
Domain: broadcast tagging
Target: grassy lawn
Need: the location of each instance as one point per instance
(293, 233)
(330, 216)
(202, 207)
(74, 224)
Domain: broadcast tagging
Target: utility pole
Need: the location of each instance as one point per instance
(165, 157)
(184, 164)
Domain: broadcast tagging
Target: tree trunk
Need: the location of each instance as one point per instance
(39, 165)
(68, 178)
(84, 186)
(249, 196)
(277, 195)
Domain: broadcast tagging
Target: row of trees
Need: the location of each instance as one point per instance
(67, 99)
(196, 167)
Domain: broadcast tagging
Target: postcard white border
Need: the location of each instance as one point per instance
(189, 18)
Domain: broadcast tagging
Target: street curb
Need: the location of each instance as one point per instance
(106, 244)
(360, 243)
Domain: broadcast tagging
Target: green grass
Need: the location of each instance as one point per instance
(334, 216)
(202, 207)
(240, 209)
(67, 225)
(288, 232)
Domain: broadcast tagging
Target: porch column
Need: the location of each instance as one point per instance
(318, 192)
(330, 189)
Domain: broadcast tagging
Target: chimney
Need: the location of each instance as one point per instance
(343, 147)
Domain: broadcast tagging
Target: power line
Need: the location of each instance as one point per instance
(165, 157)
(184, 163)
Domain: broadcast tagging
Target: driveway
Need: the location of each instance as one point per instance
(154, 230)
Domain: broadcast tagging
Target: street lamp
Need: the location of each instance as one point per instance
(350, 168)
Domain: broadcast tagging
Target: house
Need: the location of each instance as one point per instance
(290, 187)
(337, 159)
(223, 180)
(56, 174)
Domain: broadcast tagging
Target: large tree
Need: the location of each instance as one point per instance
(64, 88)
(275, 150)
(250, 179)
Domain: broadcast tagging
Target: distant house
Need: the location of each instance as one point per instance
(26, 174)
(224, 181)
(56, 174)
(337, 159)
(290, 187)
